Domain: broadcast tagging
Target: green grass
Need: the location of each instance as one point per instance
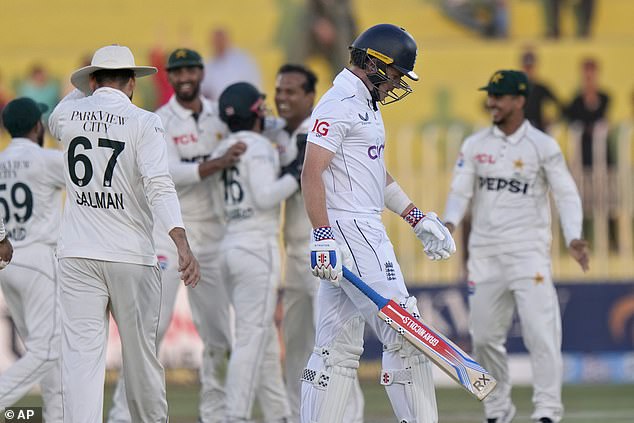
(584, 404)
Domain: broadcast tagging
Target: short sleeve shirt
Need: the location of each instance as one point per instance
(346, 123)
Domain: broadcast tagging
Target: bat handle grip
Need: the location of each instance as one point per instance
(376, 298)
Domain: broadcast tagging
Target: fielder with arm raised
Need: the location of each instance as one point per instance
(294, 100)
(193, 130)
(506, 171)
(31, 189)
(346, 186)
(253, 192)
(117, 178)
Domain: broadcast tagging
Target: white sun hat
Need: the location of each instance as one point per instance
(108, 57)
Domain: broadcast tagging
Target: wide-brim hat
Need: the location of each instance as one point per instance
(109, 57)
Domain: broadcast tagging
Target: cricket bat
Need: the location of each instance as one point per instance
(445, 354)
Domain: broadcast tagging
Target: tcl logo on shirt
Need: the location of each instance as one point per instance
(484, 158)
(185, 139)
(320, 127)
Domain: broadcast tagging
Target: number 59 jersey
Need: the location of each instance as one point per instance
(115, 167)
(31, 184)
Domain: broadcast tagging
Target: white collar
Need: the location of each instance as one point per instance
(516, 136)
(185, 113)
(348, 78)
(111, 91)
(24, 141)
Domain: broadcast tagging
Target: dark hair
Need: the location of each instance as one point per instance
(238, 123)
(119, 77)
(311, 78)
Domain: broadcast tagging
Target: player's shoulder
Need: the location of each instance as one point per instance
(544, 144)
(210, 106)
(478, 137)
(256, 140)
(257, 144)
(303, 127)
(147, 120)
(165, 110)
(51, 154)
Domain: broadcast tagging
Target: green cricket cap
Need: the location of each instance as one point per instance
(510, 82)
(184, 57)
(20, 115)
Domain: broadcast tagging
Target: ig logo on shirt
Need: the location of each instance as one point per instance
(320, 128)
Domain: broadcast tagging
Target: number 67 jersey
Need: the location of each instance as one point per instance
(115, 167)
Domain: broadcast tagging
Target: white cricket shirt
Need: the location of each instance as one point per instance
(297, 226)
(507, 179)
(253, 189)
(31, 188)
(190, 142)
(346, 123)
(116, 170)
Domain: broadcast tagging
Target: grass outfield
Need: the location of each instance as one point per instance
(584, 404)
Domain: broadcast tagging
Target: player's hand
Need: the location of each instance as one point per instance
(325, 256)
(579, 251)
(437, 241)
(6, 249)
(294, 168)
(232, 155)
(188, 267)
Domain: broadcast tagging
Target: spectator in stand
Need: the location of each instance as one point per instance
(40, 87)
(583, 10)
(325, 28)
(589, 107)
(227, 66)
(540, 95)
(489, 18)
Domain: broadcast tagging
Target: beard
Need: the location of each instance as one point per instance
(186, 96)
(40, 137)
(501, 117)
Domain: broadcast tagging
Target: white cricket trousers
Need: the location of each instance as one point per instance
(29, 286)
(210, 309)
(132, 293)
(502, 283)
(250, 264)
(373, 260)
(298, 328)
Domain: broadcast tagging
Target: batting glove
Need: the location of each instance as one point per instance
(437, 242)
(325, 255)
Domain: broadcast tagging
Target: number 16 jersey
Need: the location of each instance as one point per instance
(115, 170)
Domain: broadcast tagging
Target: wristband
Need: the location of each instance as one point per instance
(323, 232)
(414, 216)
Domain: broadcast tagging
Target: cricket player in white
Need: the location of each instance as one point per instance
(32, 184)
(116, 178)
(253, 192)
(294, 100)
(193, 130)
(346, 186)
(507, 172)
